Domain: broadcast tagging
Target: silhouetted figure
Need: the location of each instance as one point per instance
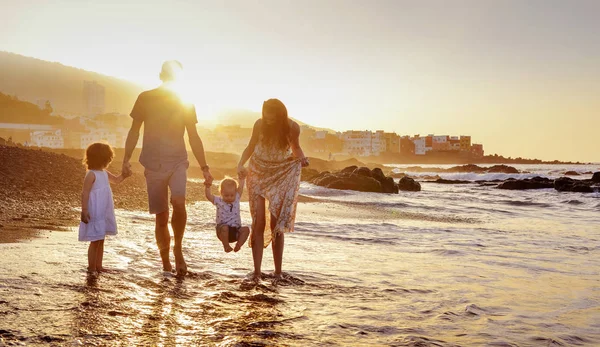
(164, 156)
(276, 162)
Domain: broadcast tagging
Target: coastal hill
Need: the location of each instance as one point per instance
(33, 79)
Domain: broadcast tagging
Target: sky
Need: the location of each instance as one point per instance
(521, 77)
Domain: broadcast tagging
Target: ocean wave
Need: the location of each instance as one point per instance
(474, 176)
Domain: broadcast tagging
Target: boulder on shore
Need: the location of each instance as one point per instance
(571, 173)
(357, 178)
(409, 184)
(596, 177)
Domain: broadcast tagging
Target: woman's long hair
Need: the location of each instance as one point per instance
(277, 133)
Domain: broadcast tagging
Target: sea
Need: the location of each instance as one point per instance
(451, 265)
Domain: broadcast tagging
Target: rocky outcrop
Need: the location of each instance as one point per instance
(528, 183)
(356, 178)
(444, 181)
(562, 184)
(572, 173)
(308, 174)
(566, 184)
(409, 184)
(596, 177)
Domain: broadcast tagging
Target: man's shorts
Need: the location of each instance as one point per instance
(160, 180)
(234, 232)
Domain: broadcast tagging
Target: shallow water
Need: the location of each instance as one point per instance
(451, 265)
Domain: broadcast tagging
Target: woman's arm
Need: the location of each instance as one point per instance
(115, 179)
(250, 148)
(295, 143)
(208, 194)
(88, 182)
(241, 185)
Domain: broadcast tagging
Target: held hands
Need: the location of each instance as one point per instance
(126, 169)
(242, 172)
(208, 179)
(85, 216)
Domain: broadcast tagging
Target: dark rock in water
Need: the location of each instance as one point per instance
(561, 184)
(409, 184)
(388, 185)
(443, 181)
(529, 183)
(566, 184)
(571, 173)
(596, 177)
(378, 174)
(349, 169)
(354, 178)
(502, 169)
(356, 182)
(363, 171)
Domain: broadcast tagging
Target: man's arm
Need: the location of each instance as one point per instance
(198, 150)
(132, 140)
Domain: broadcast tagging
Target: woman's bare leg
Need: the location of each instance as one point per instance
(277, 246)
(258, 236)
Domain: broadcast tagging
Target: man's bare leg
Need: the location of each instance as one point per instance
(163, 239)
(178, 222)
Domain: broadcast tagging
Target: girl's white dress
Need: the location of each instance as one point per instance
(102, 210)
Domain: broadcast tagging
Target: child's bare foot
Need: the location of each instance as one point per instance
(227, 248)
(244, 233)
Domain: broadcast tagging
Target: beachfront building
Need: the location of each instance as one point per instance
(420, 145)
(363, 143)
(440, 143)
(98, 135)
(407, 146)
(93, 98)
(465, 143)
(392, 142)
(477, 150)
(21, 133)
(47, 138)
(356, 142)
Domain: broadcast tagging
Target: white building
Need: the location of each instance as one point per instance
(356, 143)
(48, 139)
(321, 134)
(420, 147)
(99, 135)
(93, 98)
(363, 143)
(378, 144)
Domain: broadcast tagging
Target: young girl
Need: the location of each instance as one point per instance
(229, 221)
(97, 207)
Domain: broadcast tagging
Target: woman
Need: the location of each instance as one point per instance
(276, 162)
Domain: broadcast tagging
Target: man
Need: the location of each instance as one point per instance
(164, 156)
